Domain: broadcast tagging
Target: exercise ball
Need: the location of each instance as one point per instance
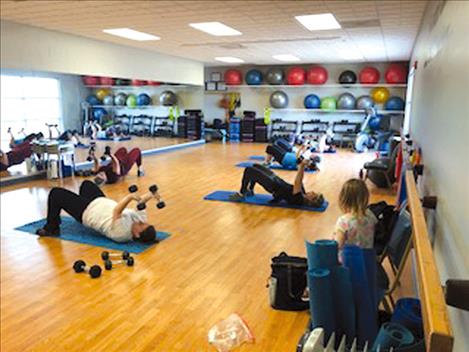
(346, 101)
(106, 81)
(296, 76)
(396, 73)
(99, 113)
(92, 100)
(348, 77)
(101, 93)
(143, 99)
(122, 82)
(380, 94)
(365, 102)
(278, 99)
(90, 80)
(275, 76)
(394, 103)
(316, 75)
(168, 98)
(253, 77)
(312, 101)
(328, 103)
(131, 101)
(369, 75)
(154, 83)
(108, 100)
(120, 99)
(233, 77)
(138, 82)
(374, 123)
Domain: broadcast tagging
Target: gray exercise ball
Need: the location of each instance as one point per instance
(365, 102)
(278, 100)
(108, 100)
(274, 76)
(120, 99)
(168, 98)
(346, 101)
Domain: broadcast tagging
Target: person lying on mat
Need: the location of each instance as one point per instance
(119, 166)
(71, 136)
(93, 209)
(283, 153)
(19, 150)
(281, 190)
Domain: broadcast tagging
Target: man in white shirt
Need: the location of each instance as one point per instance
(91, 208)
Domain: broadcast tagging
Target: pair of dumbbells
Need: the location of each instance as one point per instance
(107, 152)
(80, 267)
(154, 190)
(124, 258)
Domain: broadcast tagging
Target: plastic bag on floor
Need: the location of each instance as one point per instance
(229, 333)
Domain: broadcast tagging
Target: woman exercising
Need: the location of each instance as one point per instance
(281, 190)
(285, 154)
(20, 150)
(91, 208)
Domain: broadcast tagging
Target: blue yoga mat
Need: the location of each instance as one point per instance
(409, 314)
(392, 335)
(273, 166)
(344, 307)
(118, 139)
(257, 157)
(71, 230)
(260, 199)
(369, 255)
(322, 254)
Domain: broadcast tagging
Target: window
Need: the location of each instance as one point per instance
(29, 103)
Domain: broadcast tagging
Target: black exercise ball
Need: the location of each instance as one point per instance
(348, 77)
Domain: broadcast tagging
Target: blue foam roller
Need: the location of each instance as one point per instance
(392, 335)
(322, 254)
(409, 314)
(369, 255)
(342, 295)
(321, 304)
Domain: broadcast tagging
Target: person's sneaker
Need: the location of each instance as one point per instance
(98, 181)
(46, 232)
(236, 197)
(249, 193)
(140, 173)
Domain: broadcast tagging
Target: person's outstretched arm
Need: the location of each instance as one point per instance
(123, 204)
(298, 185)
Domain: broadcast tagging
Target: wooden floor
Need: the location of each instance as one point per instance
(217, 262)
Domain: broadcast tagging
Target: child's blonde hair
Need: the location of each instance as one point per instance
(354, 197)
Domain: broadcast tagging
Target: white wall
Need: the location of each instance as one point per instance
(31, 48)
(439, 123)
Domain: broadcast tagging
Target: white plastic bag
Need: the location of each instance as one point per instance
(229, 333)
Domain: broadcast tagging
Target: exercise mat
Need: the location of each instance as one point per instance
(322, 254)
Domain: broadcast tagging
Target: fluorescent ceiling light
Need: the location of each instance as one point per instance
(215, 28)
(229, 59)
(131, 34)
(319, 22)
(286, 57)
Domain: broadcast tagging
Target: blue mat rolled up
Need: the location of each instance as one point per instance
(322, 254)
(409, 314)
(369, 255)
(392, 335)
(344, 307)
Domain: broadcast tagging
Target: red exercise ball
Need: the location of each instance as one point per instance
(106, 81)
(233, 77)
(154, 83)
(138, 82)
(91, 80)
(316, 75)
(296, 76)
(369, 75)
(396, 73)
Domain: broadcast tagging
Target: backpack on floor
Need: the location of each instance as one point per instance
(288, 282)
(387, 216)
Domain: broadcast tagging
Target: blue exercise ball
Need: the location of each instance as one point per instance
(374, 123)
(143, 99)
(93, 100)
(312, 101)
(394, 103)
(253, 77)
(99, 113)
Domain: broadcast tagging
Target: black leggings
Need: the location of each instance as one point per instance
(265, 177)
(284, 144)
(277, 152)
(74, 204)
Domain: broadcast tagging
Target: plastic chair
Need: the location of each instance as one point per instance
(384, 166)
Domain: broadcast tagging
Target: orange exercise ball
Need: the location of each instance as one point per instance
(380, 94)
(101, 93)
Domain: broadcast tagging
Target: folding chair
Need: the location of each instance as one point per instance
(385, 166)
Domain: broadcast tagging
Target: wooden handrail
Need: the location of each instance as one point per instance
(436, 324)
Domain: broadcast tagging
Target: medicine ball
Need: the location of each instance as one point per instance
(296, 76)
(328, 103)
(396, 73)
(233, 77)
(380, 94)
(365, 102)
(131, 101)
(168, 98)
(108, 100)
(348, 77)
(316, 75)
(278, 100)
(253, 77)
(120, 99)
(106, 81)
(394, 103)
(90, 80)
(312, 101)
(143, 99)
(369, 75)
(93, 100)
(275, 76)
(346, 101)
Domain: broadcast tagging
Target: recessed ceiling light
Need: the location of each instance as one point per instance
(215, 28)
(286, 57)
(229, 59)
(319, 22)
(131, 34)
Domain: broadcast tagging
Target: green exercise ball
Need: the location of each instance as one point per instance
(328, 103)
(131, 101)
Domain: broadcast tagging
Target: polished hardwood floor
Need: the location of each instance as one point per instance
(216, 262)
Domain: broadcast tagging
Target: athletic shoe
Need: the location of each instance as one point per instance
(249, 193)
(98, 181)
(236, 197)
(46, 232)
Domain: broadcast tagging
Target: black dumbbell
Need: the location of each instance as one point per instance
(153, 189)
(106, 255)
(90, 158)
(108, 264)
(107, 152)
(133, 189)
(80, 266)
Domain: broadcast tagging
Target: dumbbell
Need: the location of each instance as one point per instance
(133, 189)
(106, 255)
(107, 152)
(90, 158)
(108, 264)
(94, 271)
(154, 189)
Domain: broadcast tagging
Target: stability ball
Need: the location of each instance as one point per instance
(316, 75)
(274, 76)
(154, 83)
(93, 100)
(131, 101)
(396, 73)
(101, 93)
(108, 100)
(122, 82)
(296, 76)
(374, 123)
(99, 113)
(328, 103)
(168, 98)
(278, 99)
(120, 99)
(233, 77)
(138, 82)
(380, 94)
(90, 80)
(312, 101)
(253, 77)
(106, 81)
(365, 102)
(369, 75)
(394, 103)
(348, 77)
(346, 101)
(143, 99)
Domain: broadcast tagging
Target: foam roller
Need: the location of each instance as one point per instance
(322, 254)
(392, 335)
(344, 306)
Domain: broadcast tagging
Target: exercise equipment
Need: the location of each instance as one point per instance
(80, 267)
(122, 82)
(394, 103)
(348, 77)
(138, 82)
(90, 80)
(322, 254)
(105, 255)
(106, 81)
(369, 75)
(133, 188)
(374, 123)
(328, 103)
(346, 101)
(312, 101)
(131, 101)
(296, 76)
(153, 190)
(278, 100)
(320, 300)
(233, 77)
(316, 75)
(108, 100)
(275, 76)
(253, 77)
(380, 94)
(120, 99)
(168, 98)
(93, 100)
(408, 313)
(392, 335)
(143, 99)
(396, 73)
(99, 113)
(365, 102)
(101, 93)
(108, 264)
(154, 83)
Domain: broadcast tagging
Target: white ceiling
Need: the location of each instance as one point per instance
(268, 27)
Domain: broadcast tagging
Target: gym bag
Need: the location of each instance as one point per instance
(387, 217)
(288, 282)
